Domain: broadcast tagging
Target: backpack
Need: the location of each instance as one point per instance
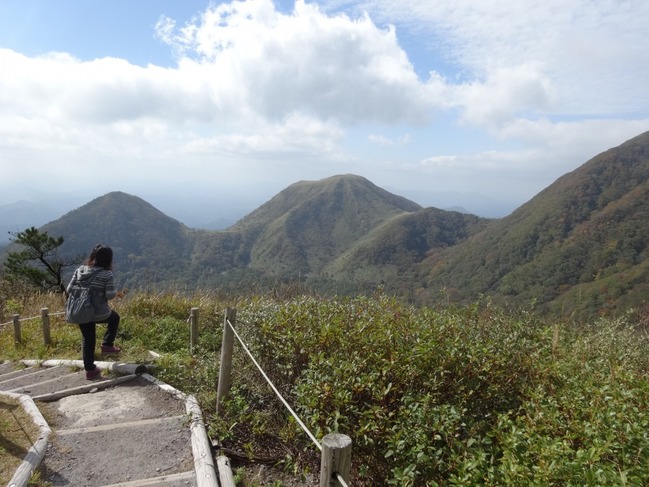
(79, 307)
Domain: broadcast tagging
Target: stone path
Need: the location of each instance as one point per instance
(126, 430)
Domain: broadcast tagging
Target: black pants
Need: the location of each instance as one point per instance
(89, 340)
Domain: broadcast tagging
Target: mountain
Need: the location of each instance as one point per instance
(388, 256)
(149, 247)
(579, 246)
(308, 224)
(298, 232)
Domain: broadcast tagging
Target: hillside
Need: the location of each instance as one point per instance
(149, 247)
(306, 226)
(388, 256)
(578, 246)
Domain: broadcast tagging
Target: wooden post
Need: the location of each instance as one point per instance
(17, 335)
(336, 459)
(193, 332)
(226, 479)
(227, 347)
(45, 317)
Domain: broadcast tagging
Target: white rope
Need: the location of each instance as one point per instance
(306, 430)
(32, 318)
(340, 480)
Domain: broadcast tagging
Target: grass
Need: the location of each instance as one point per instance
(17, 434)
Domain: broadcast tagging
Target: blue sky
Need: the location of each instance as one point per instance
(436, 101)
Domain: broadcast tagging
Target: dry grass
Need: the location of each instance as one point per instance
(17, 434)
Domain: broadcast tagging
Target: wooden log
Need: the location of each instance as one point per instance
(166, 387)
(203, 461)
(184, 478)
(45, 318)
(227, 346)
(193, 332)
(226, 478)
(17, 334)
(116, 367)
(36, 453)
(336, 459)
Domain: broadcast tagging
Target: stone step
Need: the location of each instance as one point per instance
(17, 372)
(6, 367)
(21, 383)
(64, 382)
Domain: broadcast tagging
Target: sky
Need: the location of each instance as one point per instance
(437, 101)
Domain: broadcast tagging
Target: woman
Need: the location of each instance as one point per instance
(98, 275)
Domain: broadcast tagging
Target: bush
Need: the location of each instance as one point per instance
(451, 396)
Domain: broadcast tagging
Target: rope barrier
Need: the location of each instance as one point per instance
(58, 313)
(299, 421)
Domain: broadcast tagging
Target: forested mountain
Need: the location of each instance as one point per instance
(149, 247)
(578, 247)
(298, 232)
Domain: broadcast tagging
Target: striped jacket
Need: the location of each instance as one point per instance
(102, 285)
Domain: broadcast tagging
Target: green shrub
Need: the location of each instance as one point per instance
(451, 396)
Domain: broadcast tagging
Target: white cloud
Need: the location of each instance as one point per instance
(332, 67)
(508, 93)
(526, 90)
(592, 52)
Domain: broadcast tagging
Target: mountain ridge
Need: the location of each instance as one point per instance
(584, 236)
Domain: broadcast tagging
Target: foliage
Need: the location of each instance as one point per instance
(471, 395)
(39, 263)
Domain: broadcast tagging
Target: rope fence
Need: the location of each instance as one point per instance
(281, 398)
(335, 448)
(272, 386)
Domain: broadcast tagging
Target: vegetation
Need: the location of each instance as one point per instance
(39, 263)
(471, 395)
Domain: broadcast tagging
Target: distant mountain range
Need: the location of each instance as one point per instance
(578, 248)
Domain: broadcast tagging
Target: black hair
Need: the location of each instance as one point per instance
(101, 256)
